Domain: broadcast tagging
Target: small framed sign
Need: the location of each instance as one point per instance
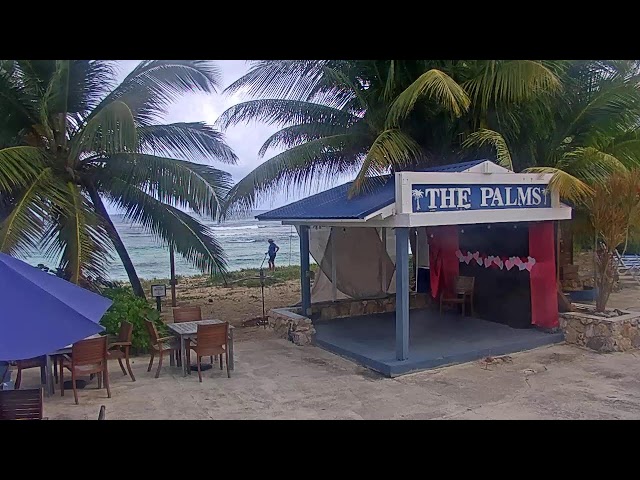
(158, 290)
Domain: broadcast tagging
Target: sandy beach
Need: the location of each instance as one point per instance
(235, 304)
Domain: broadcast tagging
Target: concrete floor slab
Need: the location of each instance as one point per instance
(434, 340)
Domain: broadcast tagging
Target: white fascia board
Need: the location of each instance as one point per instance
(469, 217)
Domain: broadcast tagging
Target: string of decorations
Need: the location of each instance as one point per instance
(493, 261)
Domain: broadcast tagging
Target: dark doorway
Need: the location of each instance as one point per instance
(502, 296)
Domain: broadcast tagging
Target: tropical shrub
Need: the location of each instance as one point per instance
(133, 309)
(614, 209)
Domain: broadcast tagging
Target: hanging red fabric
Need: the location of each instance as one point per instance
(443, 263)
(544, 300)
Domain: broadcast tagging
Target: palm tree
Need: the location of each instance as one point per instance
(582, 133)
(369, 117)
(70, 137)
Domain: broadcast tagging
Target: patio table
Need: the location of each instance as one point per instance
(189, 330)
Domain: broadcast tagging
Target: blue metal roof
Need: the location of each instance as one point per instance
(336, 204)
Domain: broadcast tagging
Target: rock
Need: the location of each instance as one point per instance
(570, 336)
(602, 330)
(356, 309)
(596, 343)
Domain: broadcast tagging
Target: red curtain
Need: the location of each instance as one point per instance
(443, 263)
(544, 300)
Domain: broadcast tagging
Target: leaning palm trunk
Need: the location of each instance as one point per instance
(117, 243)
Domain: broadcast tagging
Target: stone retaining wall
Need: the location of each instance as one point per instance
(354, 308)
(602, 334)
(290, 324)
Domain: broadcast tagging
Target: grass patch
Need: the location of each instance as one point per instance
(236, 278)
(245, 278)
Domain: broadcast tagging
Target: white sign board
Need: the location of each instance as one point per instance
(158, 290)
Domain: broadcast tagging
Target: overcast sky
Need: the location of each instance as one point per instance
(244, 139)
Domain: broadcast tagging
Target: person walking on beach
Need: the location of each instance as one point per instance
(273, 249)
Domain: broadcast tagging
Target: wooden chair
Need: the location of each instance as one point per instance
(188, 314)
(21, 404)
(87, 357)
(121, 347)
(463, 289)
(213, 339)
(160, 346)
(103, 413)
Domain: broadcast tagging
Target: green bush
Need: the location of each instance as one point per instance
(133, 309)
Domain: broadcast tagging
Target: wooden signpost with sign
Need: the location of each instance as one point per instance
(158, 291)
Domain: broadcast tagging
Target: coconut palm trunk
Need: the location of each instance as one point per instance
(117, 242)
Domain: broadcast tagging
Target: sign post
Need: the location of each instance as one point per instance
(158, 291)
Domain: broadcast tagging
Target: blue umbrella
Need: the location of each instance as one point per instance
(40, 313)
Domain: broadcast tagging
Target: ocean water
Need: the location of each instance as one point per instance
(244, 241)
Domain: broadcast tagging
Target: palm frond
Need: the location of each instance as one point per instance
(390, 83)
(569, 187)
(110, 131)
(434, 85)
(155, 84)
(198, 187)
(590, 164)
(392, 148)
(16, 102)
(317, 160)
(611, 110)
(284, 112)
(193, 240)
(193, 141)
(510, 82)
(19, 166)
(485, 136)
(628, 152)
(298, 134)
(22, 230)
(79, 240)
(302, 80)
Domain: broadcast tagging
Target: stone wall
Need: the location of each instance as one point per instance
(354, 308)
(602, 334)
(288, 323)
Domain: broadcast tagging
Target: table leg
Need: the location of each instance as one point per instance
(183, 355)
(48, 376)
(231, 362)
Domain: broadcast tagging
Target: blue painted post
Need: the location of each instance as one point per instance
(402, 293)
(305, 274)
